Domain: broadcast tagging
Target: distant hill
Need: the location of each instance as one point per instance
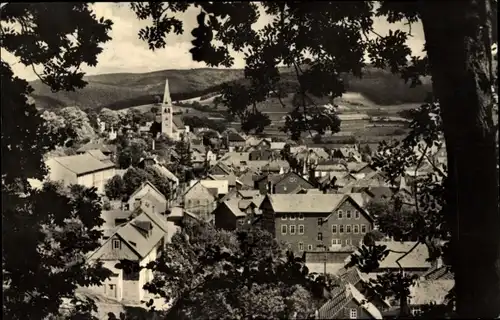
(124, 90)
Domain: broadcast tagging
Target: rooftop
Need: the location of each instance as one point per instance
(83, 163)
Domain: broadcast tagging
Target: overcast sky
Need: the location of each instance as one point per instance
(126, 53)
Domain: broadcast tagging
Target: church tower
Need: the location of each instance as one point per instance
(167, 113)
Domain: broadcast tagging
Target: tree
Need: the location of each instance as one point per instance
(209, 273)
(333, 35)
(155, 129)
(159, 181)
(58, 228)
(133, 179)
(110, 117)
(130, 153)
(183, 168)
(115, 188)
(79, 122)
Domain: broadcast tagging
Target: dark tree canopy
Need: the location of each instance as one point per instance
(46, 232)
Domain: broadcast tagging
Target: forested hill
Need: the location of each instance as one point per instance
(123, 90)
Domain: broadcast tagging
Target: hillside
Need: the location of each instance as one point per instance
(124, 90)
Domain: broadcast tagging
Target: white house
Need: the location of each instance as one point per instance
(83, 169)
(136, 236)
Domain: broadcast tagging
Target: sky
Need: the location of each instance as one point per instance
(127, 53)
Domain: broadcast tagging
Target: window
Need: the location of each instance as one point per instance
(355, 228)
(283, 229)
(336, 242)
(363, 228)
(348, 214)
(356, 214)
(320, 221)
(310, 247)
(292, 229)
(117, 244)
(320, 236)
(301, 229)
(283, 217)
(292, 216)
(347, 242)
(353, 314)
(301, 246)
(341, 228)
(334, 228)
(301, 216)
(348, 228)
(340, 213)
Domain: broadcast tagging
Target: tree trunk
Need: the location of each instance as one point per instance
(458, 42)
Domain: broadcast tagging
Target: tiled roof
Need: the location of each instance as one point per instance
(441, 273)
(232, 204)
(94, 146)
(247, 178)
(356, 166)
(416, 259)
(109, 217)
(144, 185)
(334, 308)
(233, 136)
(246, 194)
(425, 292)
(231, 178)
(178, 122)
(96, 153)
(139, 242)
(305, 202)
(166, 173)
(276, 165)
(82, 163)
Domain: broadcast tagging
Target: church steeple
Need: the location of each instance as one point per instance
(167, 112)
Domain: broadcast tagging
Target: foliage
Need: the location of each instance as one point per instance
(133, 118)
(394, 219)
(159, 181)
(114, 188)
(131, 152)
(53, 227)
(78, 121)
(209, 273)
(183, 167)
(133, 179)
(110, 118)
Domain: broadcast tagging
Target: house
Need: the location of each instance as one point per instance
(360, 281)
(149, 198)
(282, 183)
(246, 179)
(276, 166)
(234, 140)
(426, 292)
(277, 146)
(232, 180)
(348, 303)
(415, 262)
(83, 169)
(221, 185)
(327, 167)
(200, 200)
(220, 168)
(236, 212)
(100, 156)
(106, 150)
(360, 168)
(262, 154)
(235, 159)
(136, 237)
(310, 222)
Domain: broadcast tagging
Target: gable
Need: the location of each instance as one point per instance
(198, 191)
(294, 178)
(146, 187)
(107, 252)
